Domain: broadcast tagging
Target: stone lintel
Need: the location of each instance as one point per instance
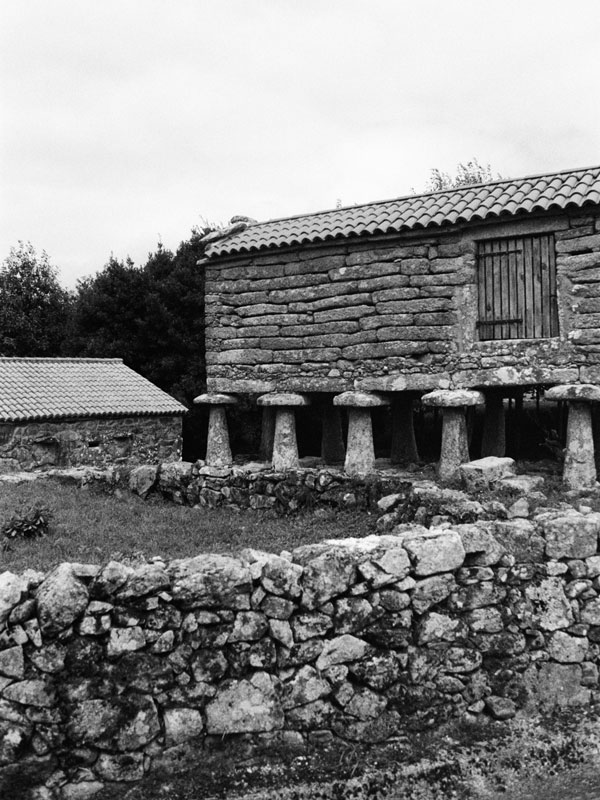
(514, 376)
(578, 392)
(409, 382)
(453, 398)
(240, 386)
(215, 399)
(285, 399)
(360, 400)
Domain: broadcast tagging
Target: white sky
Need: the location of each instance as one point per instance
(128, 120)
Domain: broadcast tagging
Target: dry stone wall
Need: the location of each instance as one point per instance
(110, 673)
(393, 313)
(95, 442)
(257, 486)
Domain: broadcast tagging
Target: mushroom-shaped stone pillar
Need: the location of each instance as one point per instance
(580, 469)
(455, 444)
(360, 452)
(218, 449)
(285, 446)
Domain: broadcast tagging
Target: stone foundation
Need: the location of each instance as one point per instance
(95, 442)
(110, 673)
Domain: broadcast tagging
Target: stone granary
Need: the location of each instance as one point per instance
(456, 296)
(83, 411)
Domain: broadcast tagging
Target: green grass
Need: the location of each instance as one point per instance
(90, 527)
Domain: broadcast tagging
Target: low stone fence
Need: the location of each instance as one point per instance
(110, 673)
(256, 485)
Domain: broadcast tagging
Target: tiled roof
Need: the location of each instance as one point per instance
(467, 204)
(55, 388)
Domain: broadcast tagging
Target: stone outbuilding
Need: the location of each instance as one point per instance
(482, 288)
(83, 411)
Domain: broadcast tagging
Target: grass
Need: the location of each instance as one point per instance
(90, 527)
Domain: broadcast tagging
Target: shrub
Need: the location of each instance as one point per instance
(29, 522)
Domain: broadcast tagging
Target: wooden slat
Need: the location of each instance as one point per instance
(529, 296)
(497, 304)
(553, 290)
(545, 285)
(515, 311)
(536, 278)
(481, 281)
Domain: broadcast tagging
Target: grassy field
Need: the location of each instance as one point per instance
(90, 527)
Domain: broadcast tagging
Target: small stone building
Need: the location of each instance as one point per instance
(83, 411)
(485, 288)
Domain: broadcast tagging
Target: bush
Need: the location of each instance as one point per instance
(29, 522)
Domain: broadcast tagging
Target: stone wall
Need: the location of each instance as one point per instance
(256, 485)
(110, 673)
(394, 313)
(95, 441)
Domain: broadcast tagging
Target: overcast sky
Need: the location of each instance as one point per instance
(126, 121)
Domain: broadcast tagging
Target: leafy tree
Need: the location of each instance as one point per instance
(466, 175)
(107, 313)
(34, 308)
(151, 316)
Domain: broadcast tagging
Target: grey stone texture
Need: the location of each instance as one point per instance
(218, 449)
(91, 442)
(395, 315)
(285, 446)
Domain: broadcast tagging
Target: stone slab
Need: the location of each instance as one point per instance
(453, 398)
(285, 399)
(215, 399)
(580, 392)
(360, 400)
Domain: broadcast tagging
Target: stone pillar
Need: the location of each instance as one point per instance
(404, 445)
(580, 468)
(455, 446)
(285, 446)
(218, 449)
(267, 433)
(493, 440)
(333, 450)
(360, 452)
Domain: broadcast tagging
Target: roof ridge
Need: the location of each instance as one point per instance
(61, 359)
(427, 194)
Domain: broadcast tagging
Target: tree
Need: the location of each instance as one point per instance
(33, 306)
(107, 314)
(152, 317)
(466, 175)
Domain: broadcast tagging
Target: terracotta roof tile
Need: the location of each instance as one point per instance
(449, 206)
(55, 388)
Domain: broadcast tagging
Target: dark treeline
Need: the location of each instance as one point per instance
(151, 316)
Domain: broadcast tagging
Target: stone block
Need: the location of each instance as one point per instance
(551, 609)
(434, 552)
(245, 706)
(519, 538)
(342, 650)
(480, 544)
(483, 472)
(181, 725)
(570, 535)
(12, 588)
(61, 598)
(567, 649)
(558, 685)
